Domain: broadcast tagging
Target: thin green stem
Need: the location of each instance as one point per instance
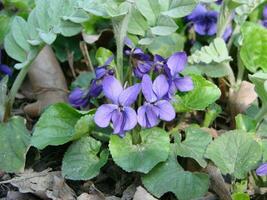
(231, 75)
(224, 19)
(120, 26)
(241, 70)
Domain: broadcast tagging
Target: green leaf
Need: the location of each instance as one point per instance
(259, 79)
(235, 153)
(166, 45)
(245, 123)
(264, 150)
(216, 52)
(59, 125)
(83, 80)
(14, 144)
(254, 47)
(5, 21)
(169, 176)
(102, 55)
(240, 196)
(194, 145)
(81, 161)
(203, 94)
(150, 9)
(164, 26)
(140, 157)
(179, 8)
(262, 129)
(137, 24)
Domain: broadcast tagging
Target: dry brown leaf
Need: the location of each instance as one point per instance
(13, 195)
(48, 82)
(86, 196)
(43, 184)
(142, 194)
(243, 98)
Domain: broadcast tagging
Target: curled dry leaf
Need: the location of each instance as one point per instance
(142, 194)
(243, 98)
(48, 82)
(85, 196)
(13, 195)
(45, 184)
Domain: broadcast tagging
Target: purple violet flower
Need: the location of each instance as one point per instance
(79, 98)
(118, 112)
(176, 64)
(204, 21)
(140, 60)
(155, 108)
(262, 170)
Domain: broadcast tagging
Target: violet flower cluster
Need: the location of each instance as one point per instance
(155, 86)
(205, 22)
(80, 98)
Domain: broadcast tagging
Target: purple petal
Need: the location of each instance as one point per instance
(198, 11)
(200, 28)
(142, 67)
(103, 114)
(100, 72)
(118, 121)
(129, 95)
(177, 62)
(160, 86)
(265, 12)
(227, 33)
(109, 60)
(166, 110)
(95, 88)
(212, 29)
(184, 84)
(262, 170)
(78, 98)
(147, 89)
(6, 70)
(112, 88)
(148, 116)
(130, 118)
(128, 43)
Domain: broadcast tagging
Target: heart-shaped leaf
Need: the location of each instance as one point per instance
(14, 144)
(60, 124)
(203, 94)
(235, 152)
(170, 177)
(140, 157)
(194, 145)
(81, 162)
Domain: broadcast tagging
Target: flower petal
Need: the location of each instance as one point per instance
(147, 116)
(129, 95)
(262, 170)
(184, 84)
(177, 62)
(130, 118)
(147, 89)
(198, 11)
(78, 98)
(117, 121)
(166, 110)
(6, 70)
(103, 114)
(160, 86)
(112, 88)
